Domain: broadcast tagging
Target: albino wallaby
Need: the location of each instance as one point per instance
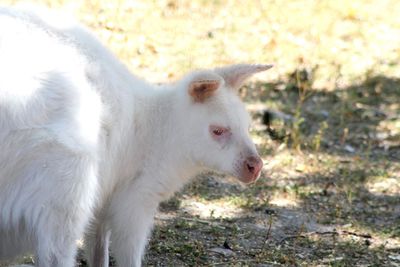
(88, 149)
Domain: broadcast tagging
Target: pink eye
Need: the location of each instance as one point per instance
(218, 131)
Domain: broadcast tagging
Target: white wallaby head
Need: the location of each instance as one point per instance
(217, 124)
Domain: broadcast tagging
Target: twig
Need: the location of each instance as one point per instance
(269, 229)
(305, 235)
(367, 236)
(242, 261)
(344, 232)
(268, 233)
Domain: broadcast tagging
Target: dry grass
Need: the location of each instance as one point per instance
(334, 181)
(162, 39)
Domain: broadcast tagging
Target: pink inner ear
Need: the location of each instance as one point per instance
(202, 90)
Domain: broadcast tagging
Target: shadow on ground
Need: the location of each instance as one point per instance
(333, 200)
(364, 116)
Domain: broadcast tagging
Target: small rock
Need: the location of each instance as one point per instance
(300, 168)
(349, 148)
(394, 257)
(222, 251)
(324, 113)
(226, 245)
(270, 211)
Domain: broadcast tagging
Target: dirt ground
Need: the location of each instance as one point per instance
(326, 122)
(332, 202)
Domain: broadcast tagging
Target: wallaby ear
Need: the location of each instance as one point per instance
(203, 85)
(235, 75)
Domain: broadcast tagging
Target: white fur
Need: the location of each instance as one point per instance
(81, 138)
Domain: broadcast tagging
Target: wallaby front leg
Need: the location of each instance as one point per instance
(132, 210)
(97, 243)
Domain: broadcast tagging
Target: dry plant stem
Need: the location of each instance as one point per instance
(268, 232)
(333, 233)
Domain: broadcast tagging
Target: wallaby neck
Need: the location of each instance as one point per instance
(167, 155)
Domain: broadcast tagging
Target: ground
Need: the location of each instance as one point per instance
(329, 194)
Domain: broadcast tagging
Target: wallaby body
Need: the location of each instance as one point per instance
(86, 148)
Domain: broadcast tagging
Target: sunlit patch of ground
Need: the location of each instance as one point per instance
(389, 186)
(162, 39)
(211, 209)
(283, 201)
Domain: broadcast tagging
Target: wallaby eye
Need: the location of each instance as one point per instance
(219, 132)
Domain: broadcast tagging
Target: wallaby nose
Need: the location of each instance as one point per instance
(252, 168)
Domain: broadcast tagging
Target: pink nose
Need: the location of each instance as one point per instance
(251, 168)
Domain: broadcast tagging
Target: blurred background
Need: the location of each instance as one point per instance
(327, 123)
